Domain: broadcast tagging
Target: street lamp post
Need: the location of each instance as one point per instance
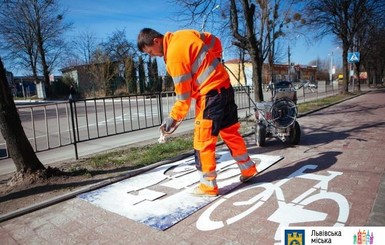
(289, 69)
(331, 68)
(289, 64)
(206, 16)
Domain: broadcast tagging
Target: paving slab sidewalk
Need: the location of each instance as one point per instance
(347, 138)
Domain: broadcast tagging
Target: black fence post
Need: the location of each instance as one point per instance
(73, 129)
(161, 107)
(249, 92)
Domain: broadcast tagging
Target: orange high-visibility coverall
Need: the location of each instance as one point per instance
(193, 60)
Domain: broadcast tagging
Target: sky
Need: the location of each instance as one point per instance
(103, 17)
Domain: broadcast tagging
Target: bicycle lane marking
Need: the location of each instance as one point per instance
(287, 212)
(162, 197)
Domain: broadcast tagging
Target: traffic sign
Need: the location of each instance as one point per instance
(353, 57)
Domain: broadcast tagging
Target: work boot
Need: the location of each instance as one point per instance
(245, 179)
(198, 192)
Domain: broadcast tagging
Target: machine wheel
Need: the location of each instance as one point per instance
(260, 134)
(295, 134)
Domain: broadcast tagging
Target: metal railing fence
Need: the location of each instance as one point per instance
(51, 125)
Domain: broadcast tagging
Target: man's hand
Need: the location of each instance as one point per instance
(168, 124)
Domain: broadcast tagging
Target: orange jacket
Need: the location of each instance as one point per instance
(193, 60)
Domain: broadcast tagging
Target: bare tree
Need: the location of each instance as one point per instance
(117, 47)
(85, 44)
(120, 50)
(369, 42)
(375, 61)
(254, 26)
(344, 19)
(19, 148)
(43, 24)
(18, 39)
(108, 62)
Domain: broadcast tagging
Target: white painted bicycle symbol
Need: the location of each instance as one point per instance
(287, 212)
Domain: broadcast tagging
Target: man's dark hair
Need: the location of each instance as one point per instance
(146, 37)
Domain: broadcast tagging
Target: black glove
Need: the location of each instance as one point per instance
(168, 124)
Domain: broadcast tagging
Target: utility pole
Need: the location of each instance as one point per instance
(331, 67)
(289, 64)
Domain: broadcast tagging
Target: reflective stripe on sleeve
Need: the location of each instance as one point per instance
(183, 96)
(181, 78)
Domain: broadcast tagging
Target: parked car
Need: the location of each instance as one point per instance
(307, 84)
(312, 85)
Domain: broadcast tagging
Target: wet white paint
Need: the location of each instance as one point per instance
(162, 197)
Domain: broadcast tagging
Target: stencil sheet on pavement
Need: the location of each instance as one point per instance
(162, 196)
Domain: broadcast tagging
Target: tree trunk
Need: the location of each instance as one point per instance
(346, 78)
(358, 84)
(44, 65)
(260, 80)
(257, 78)
(19, 148)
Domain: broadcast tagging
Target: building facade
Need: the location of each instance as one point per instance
(280, 72)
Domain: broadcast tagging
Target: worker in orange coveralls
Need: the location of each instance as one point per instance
(193, 60)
